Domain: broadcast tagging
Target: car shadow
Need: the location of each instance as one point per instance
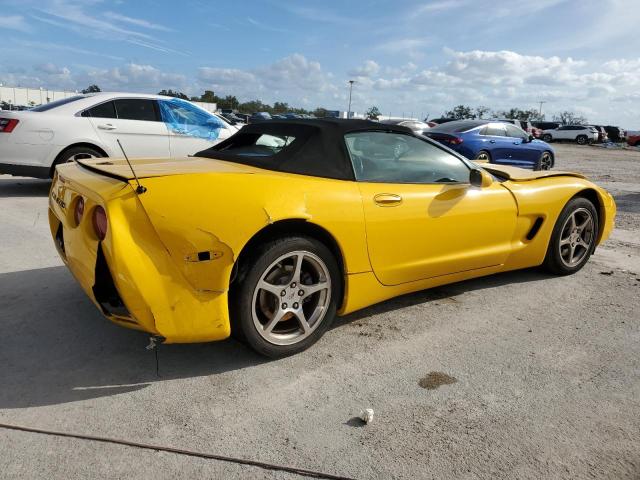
(23, 187)
(55, 347)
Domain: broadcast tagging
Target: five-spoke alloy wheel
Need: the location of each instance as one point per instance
(574, 237)
(291, 298)
(285, 295)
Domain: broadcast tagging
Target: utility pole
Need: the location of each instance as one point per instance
(351, 82)
(540, 110)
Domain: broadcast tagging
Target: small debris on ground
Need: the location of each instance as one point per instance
(366, 415)
(607, 273)
(434, 380)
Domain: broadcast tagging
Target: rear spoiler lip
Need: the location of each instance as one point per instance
(103, 172)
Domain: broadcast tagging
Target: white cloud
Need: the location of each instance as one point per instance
(367, 69)
(14, 22)
(138, 22)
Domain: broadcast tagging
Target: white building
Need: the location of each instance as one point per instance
(31, 97)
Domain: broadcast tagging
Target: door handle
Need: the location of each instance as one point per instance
(492, 141)
(516, 143)
(387, 199)
(107, 126)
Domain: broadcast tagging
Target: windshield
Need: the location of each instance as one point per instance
(58, 103)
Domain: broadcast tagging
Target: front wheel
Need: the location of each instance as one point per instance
(286, 296)
(573, 239)
(547, 137)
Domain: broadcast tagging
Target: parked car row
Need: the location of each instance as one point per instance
(555, 131)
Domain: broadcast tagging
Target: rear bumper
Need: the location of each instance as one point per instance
(130, 276)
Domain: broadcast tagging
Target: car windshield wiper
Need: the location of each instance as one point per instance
(447, 180)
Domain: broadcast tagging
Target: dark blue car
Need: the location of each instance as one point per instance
(494, 142)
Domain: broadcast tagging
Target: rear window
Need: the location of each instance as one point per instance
(104, 110)
(137, 109)
(257, 145)
(58, 103)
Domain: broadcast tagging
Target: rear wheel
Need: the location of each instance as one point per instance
(483, 156)
(286, 296)
(545, 162)
(582, 139)
(573, 239)
(79, 153)
(547, 137)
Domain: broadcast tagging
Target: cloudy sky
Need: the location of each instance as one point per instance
(408, 57)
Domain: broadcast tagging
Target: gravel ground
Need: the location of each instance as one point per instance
(518, 375)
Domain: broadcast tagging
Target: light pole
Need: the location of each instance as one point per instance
(540, 110)
(351, 82)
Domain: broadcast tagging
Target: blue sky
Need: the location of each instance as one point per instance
(407, 56)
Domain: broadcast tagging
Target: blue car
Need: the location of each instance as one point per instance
(494, 142)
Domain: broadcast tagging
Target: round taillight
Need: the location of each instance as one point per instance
(78, 211)
(100, 222)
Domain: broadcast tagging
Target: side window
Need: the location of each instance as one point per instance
(386, 157)
(515, 132)
(183, 118)
(104, 110)
(136, 109)
(496, 130)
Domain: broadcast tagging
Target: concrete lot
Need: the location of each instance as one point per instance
(546, 369)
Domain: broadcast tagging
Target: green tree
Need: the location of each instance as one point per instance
(92, 89)
(460, 112)
(171, 93)
(481, 111)
(280, 107)
(230, 101)
(208, 96)
(373, 113)
(570, 118)
(320, 112)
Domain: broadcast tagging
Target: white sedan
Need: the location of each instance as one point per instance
(33, 142)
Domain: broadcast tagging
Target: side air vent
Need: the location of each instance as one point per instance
(534, 228)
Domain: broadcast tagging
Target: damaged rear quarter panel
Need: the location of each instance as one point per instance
(216, 214)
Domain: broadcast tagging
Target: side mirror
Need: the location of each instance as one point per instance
(531, 138)
(480, 178)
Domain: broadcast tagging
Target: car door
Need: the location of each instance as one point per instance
(564, 133)
(191, 128)
(133, 121)
(423, 218)
(521, 152)
(496, 141)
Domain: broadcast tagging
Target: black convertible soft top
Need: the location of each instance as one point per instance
(318, 150)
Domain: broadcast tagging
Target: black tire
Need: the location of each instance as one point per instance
(246, 293)
(547, 138)
(555, 262)
(483, 155)
(76, 153)
(545, 162)
(582, 140)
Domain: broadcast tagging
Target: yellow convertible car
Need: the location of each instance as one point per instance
(272, 232)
